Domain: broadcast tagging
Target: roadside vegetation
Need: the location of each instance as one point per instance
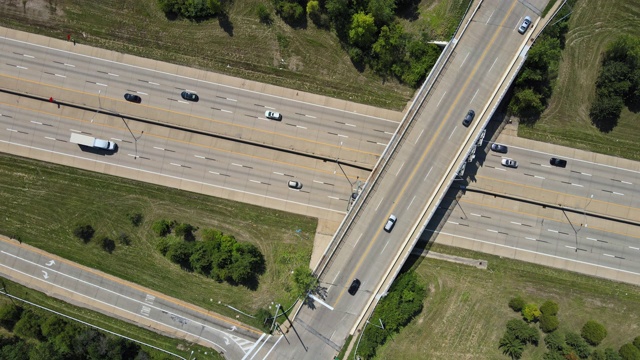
(566, 117)
(250, 39)
(40, 333)
(466, 310)
(69, 212)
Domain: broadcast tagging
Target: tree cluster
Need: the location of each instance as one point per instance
(34, 334)
(191, 9)
(86, 232)
(402, 303)
(518, 334)
(215, 255)
(618, 82)
(533, 86)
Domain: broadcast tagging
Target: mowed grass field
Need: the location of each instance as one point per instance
(304, 58)
(466, 310)
(123, 328)
(41, 203)
(593, 25)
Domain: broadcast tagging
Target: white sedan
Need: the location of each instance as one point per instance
(509, 163)
(272, 115)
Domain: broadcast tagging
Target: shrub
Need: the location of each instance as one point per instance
(84, 232)
(611, 354)
(107, 244)
(185, 231)
(265, 317)
(124, 239)
(517, 304)
(523, 332)
(593, 332)
(161, 227)
(577, 343)
(548, 323)
(9, 315)
(549, 308)
(263, 14)
(28, 327)
(554, 341)
(636, 342)
(553, 355)
(530, 313)
(627, 352)
(135, 219)
(304, 281)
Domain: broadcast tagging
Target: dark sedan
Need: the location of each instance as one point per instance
(133, 98)
(558, 162)
(499, 148)
(190, 96)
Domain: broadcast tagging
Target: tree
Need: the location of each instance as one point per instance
(524, 332)
(388, 51)
(179, 252)
(554, 341)
(362, 31)
(530, 313)
(383, 11)
(340, 16)
(636, 342)
(84, 232)
(526, 103)
(10, 315)
(517, 303)
(161, 227)
(28, 327)
(548, 323)
(45, 351)
(107, 244)
(593, 332)
(290, 12)
(263, 14)
(549, 308)
(553, 355)
(136, 219)
(313, 10)
(185, 231)
(598, 354)
(605, 112)
(304, 281)
(511, 346)
(577, 343)
(627, 352)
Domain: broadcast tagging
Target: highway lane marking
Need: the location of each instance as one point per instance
(490, 17)
(158, 148)
(516, 223)
(205, 157)
(634, 248)
(609, 255)
(474, 96)
(430, 145)
(465, 59)
(418, 138)
(493, 231)
(384, 247)
(333, 197)
(379, 204)
(441, 99)
(494, 62)
(108, 291)
(217, 173)
(577, 185)
(399, 169)
(530, 238)
(452, 132)
(354, 245)
(622, 181)
(336, 277)
(428, 172)
(534, 252)
(182, 101)
(226, 111)
(141, 93)
(250, 350)
(453, 222)
(411, 203)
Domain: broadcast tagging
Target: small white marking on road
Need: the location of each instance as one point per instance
(425, 178)
(313, 117)
(301, 127)
(58, 75)
(49, 138)
(490, 17)
(158, 148)
(418, 138)
(256, 181)
(354, 245)
(385, 246)
(334, 279)
(227, 111)
(626, 182)
(22, 67)
(333, 197)
(577, 185)
(344, 136)
(532, 239)
(465, 59)
(454, 130)
(213, 172)
(383, 144)
(153, 83)
(585, 174)
(101, 84)
(182, 101)
(277, 173)
(145, 310)
(199, 156)
(270, 108)
(592, 239)
(634, 248)
(316, 181)
(149, 299)
(538, 177)
(441, 99)
(116, 139)
(608, 255)
(453, 222)
(70, 65)
(474, 214)
(399, 169)
(379, 204)
(111, 74)
(28, 56)
(501, 169)
(141, 93)
(553, 231)
(516, 223)
(232, 99)
(494, 62)
(493, 231)
(474, 96)
(617, 193)
(388, 133)
(133, 155)
(234, 164)
(411, 203)
(174, 164)
(570, 247)
(12, 130)
(36, 122)
(352, 125)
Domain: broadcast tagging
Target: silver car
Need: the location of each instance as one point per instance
(510, 163)
(272, 115)
(525, 25)
(390, 223)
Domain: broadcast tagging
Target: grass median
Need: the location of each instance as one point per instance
(41, 203)
(466, 308)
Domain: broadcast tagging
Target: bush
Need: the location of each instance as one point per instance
(263, 14)
(107, 244)
(636, 342)
(124, 239)
(136, 219)
(593, 332)
(549, 308)
(554, 341)
(185, 231)
(161, 227)
(290, 12)
(265, 317)
(517, 304)
(523, 332)
(530, 313)
(84, 232)
(548, 323)
(611, 354)
(304, 281)
(28, 327)
(9, 315)
(577, 343)
(627, 352)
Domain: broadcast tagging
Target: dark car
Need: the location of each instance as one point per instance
(469, 118)
(355, 285)
(133, 98)
(558, 162)
(190, 96)
(499, 148)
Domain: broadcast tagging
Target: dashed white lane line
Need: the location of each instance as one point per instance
(333, 197)
(493, 231)
(634, 248)
(441, 99)
(577, 185)
(418, 138)
(399, 169)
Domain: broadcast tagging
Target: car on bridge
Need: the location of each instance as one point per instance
(525, 25)
(355, 285)
(390, 223)
(469, 118)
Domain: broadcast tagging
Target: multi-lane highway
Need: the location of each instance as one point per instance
(75, 78)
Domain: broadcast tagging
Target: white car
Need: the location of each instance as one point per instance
(510, 163)
(272, 115)
(525, 25)
(294, 184)
(390, 223)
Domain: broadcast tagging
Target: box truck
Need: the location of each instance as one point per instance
(90, 141)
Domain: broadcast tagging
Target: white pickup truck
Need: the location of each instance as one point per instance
(90, 141)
